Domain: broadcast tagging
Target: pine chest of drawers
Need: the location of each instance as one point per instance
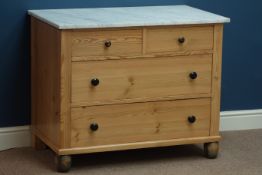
(106, 86)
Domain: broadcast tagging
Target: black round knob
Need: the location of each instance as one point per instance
(95, 81)
(108, 43)
(181, 40)
(193, 75)
(191, 119)
(94, 127)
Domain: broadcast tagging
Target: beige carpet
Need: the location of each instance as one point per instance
(240, 154)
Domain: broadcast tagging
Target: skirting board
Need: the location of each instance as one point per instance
(14, 137)
(241, 120)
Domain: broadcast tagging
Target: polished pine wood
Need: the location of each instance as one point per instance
(145, 55)
(138, 145)
(45, 78)
(51, 85)
(92, 42)
(216, 79)
(139, 122)
(65, 87)
(143, 75)
(140, 80)
(165, 39)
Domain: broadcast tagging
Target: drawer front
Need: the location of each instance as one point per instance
(179, 39)
(107, 43)
(137, 80)
(137, 122)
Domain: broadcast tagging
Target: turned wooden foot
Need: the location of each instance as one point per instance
(37, 143)
(63, 163)
(211, 150)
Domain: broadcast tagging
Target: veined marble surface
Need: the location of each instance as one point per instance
(126, 17)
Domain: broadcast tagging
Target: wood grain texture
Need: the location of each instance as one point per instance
(216, 79)
(65, 87)
(45, 76)
(165, 39)
(138, 145)
(127, 123)
(140, 79)
(92, 42)
(146, 55)
(144, 39)
(47, 141)
(142, 76)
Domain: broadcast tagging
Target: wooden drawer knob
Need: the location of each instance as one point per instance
(108, 43)
(94, 127)
(193, 75)
(181, 40)
(191, 119)
(95, 82)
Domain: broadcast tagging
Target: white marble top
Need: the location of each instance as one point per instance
(126, 17)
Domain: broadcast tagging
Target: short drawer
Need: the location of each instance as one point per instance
(179, 39)
(106, 43)
(137, 122)
(136, 80)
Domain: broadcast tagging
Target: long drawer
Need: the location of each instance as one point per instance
(138, 80)
(137, 122)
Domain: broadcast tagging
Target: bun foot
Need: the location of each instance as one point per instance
(211, 150)
(63, 163)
